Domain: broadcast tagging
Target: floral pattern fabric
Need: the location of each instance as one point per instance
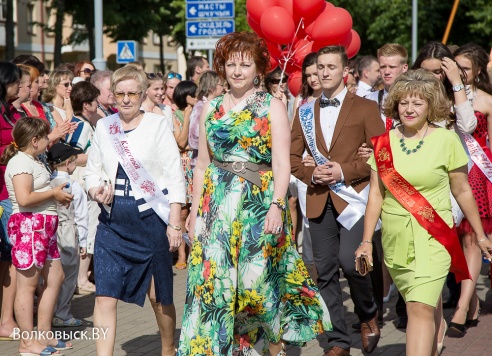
(186, 160)
(244, 284)
(33, 239)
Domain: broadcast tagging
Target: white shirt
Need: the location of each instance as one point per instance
(79, 204)
(329, 117)
(374, 96)
(328, 120)
(363, 89)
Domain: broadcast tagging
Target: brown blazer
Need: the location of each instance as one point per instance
(358, 122)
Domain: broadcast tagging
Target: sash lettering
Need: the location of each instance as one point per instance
(411, 199)
(478, 156)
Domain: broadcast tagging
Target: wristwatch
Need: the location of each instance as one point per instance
(458, 87)
(280, 203)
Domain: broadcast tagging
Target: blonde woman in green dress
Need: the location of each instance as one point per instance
(414, 168)
(246, 280)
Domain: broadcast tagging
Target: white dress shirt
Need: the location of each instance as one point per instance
(329, 117)
(328, 120)
(363, 89)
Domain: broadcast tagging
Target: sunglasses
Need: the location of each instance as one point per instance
(67, 84)
(88, 71)
(131, 95)
(172, 75)
(277, 81)
(154, 75)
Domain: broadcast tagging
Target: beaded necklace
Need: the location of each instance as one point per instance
(404, 147)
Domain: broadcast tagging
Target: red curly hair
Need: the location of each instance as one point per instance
(245, 43)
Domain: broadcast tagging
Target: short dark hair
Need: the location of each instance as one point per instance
(82, 92)
(339, 50)
(182, 90)
(192, 63)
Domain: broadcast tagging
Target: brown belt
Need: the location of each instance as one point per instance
(246, 170)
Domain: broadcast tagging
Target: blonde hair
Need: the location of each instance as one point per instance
(129, 72)
(423, 84)
(393, 49)
(55, 78)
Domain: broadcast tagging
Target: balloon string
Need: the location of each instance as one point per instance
(290, 54)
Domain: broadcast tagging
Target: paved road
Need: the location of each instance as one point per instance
(137, 331)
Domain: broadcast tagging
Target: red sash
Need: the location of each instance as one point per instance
(418, 206)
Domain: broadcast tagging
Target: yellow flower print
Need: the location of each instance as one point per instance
(207, 298)
(256, 141)
(237, 227)
(295, 277)
(256, 190)
(243, 116)
(198, 345)
(196, 254)
(263, 149)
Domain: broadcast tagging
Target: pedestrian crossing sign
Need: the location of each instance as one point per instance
(126, 52)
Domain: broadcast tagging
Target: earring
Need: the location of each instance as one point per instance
(256, 82)
(477, 79)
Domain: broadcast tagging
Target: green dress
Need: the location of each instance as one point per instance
(417, 262)
(244, 284)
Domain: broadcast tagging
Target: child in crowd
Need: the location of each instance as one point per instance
(32, 232)
(73, 222)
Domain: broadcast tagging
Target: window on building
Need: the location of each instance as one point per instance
(31, 18)
(3, 10)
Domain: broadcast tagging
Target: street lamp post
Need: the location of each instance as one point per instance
(99, 61)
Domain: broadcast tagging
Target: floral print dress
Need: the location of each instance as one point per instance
(243, 284)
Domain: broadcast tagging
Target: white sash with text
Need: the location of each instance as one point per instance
(140, 179)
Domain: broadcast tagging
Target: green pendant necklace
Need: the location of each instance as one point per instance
(404, 147)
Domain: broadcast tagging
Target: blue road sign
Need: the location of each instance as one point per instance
(210, 10)
(126, 51)
(215, 28)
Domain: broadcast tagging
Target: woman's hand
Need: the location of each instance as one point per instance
(187, 111)
(175, 238)
(451, 70)
(308, 161)
(61, 196)
(103, 194)
(63, 129)
(364, 151)
(273, 221)
(365, 248)
(486, 246)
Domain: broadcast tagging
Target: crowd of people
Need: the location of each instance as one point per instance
(109, 179)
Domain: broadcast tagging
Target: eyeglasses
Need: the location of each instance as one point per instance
(277, 81)
(88, 71)
(154, 75)
(131, 95)
(67, 84)
(172, 75)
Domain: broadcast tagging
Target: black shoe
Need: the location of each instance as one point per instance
(456, 330)
(402, 322)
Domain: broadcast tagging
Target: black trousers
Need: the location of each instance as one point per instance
(334, 248)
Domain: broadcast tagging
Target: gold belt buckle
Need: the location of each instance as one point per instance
(237, 169)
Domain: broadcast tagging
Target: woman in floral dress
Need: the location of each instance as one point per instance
(245, 281)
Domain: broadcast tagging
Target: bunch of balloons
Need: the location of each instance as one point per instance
(295, 28)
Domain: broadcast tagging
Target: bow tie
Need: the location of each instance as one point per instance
(329, 102)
